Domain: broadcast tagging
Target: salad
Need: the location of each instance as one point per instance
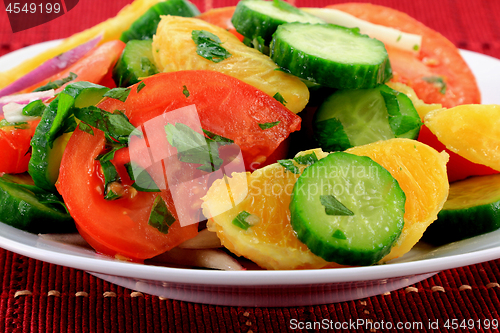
(295, 138)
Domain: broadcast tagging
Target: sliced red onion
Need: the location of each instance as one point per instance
(50, 67)
(8, 103)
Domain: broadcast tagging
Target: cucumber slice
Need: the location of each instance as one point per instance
(350, 118)
(26, 207)
(54, 130)
(254, 19)
(145, 26)
(331, 55)
(472, 209)
(135, 62)
(363, 187)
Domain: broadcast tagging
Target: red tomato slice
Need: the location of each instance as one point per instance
(458, 167)
(226, 106)
(15, 147)
(221, 17)
(94, 67)
(119, 227)
(438, 57)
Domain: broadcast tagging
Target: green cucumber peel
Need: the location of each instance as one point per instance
(34, 109)
(67, 100)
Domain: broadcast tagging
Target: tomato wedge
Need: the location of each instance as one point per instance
(226, 106)
(437, 60)
(15, 147)
(119, 227)
(458, 167)
(95, 67)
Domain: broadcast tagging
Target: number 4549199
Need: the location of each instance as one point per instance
(471, 324)
(33, 8)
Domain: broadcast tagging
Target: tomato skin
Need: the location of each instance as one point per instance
(95, 67)
(226, 106)
(15, 147)
(118, 227)
(458, 167)
(437, 57)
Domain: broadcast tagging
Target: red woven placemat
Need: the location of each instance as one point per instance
(41, 297)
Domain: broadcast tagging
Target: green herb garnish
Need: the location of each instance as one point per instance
(116, 124)
(185, 91)
(86, 128)
(193, 147)
(110, 173)
(289, 166)
(437, 81)
(279, 98)
(265, 126)
(308, 159)
(57, 83)
(142, 179)
(398, 122)
(333, 206)
(18, 125)
(209, 46)
(161, 218)
(120, 94)
(339, 234)
(240, 220)
(217, 138)
(140, 86)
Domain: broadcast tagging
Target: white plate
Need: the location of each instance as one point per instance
(270, 288)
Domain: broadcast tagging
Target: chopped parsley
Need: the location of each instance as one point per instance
(240, 220)
(140, 86)
(339, 234)
(142, 179)
(308, 159)
(57, 83)
(120, 94)
(265, 126)
(19, 125)
(115, 125)
(193, 147)
(185, 91)
(333, 206)
(289, 166)
(209, 46)
(437, 81)
(161, 218)
(279, 98)
(217, 138)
